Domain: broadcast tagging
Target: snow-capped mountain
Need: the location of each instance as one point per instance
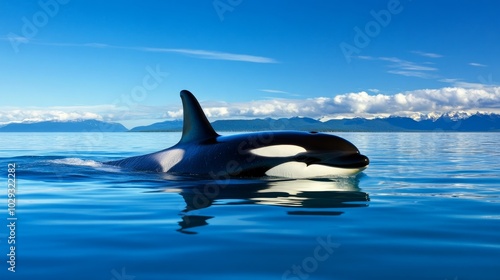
(451, 115)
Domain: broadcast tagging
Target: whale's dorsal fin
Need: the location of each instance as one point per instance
(196, 126)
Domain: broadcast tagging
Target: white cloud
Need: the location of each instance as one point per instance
(362, 104)
(417, 74)
(272, 91)
(198, 53)
(8, 115)
(366, 57)
(205, 54)
(427, 54)
(406, 65)
(69, 113)
(477, 64)
(406, 68)
(462, 84)
(15, 38)
(354, 104)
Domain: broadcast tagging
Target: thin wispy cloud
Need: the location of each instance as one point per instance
(426, 70)
(477, 64)
(205, 54)
(273, 91)
(365, 57)
(15, 39)
(416, 74)
(281, 93)
(404, 67)
(427, 54)
(197, 53)
(468, 85)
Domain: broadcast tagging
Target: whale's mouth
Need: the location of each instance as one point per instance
(350, 160)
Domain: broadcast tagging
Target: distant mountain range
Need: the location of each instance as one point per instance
(66, 126)
(175, 125)
(453, 121)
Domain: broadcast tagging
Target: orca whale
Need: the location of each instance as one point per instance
(291, 154)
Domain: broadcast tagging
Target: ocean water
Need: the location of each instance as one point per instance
(428, 207)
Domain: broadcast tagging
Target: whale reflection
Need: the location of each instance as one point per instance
(301, 197)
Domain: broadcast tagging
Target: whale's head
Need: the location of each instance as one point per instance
(312, 154)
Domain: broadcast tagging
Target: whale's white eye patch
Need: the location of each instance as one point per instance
(278, 151)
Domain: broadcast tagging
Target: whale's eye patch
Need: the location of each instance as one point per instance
(278, 151)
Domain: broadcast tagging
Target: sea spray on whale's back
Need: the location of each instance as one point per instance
(84, 163)
(77, 162)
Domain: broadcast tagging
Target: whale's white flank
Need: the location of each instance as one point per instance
(169, 158)
(296, 170)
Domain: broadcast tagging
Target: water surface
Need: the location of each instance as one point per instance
(428, 207)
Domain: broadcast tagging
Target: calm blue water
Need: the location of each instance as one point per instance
(428, 207)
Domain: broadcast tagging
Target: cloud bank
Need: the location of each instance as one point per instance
(361, 104)
(111, 113)
(347, 105)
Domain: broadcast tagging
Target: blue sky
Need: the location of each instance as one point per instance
(126, 61)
